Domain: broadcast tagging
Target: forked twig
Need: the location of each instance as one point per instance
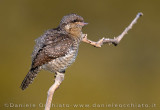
(114, 41)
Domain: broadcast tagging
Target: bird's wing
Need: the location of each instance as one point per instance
(53, 48)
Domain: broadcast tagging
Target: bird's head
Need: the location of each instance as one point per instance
(72, 23)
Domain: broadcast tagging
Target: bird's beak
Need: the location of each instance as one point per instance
(82, 23)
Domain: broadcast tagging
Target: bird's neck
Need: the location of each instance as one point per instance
(77, 36)
(76, 33)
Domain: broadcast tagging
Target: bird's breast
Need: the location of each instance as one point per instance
(61, 63)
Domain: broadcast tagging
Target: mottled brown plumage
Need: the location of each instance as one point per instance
(52, 50)
(57, 48)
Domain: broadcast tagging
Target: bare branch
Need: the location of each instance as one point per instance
(60, 76)
(114, 41)
(58, 80)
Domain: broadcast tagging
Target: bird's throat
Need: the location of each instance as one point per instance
(76, 33)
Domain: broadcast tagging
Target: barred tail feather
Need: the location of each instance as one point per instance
(29, 78)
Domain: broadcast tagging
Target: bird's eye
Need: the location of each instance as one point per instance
(75, 20)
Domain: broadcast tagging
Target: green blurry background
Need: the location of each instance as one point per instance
(128, 73)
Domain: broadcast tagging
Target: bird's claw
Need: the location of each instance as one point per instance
(84, 36)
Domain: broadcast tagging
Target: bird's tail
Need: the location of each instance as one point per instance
(29, 78)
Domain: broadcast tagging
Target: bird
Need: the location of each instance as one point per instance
(57, 48)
